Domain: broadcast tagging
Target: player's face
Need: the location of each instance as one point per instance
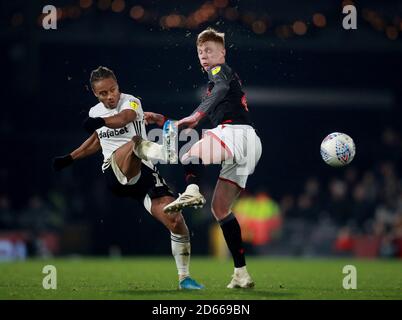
(211, 54)
(107, 91)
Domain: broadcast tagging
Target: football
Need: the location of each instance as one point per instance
(338, 149)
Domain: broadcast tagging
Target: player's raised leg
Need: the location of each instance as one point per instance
(225, 194)
(148, 150)
(180, 240)
(126, 160)
(128, 164)
(209, 150)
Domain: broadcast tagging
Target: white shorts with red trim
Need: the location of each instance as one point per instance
(244, 145)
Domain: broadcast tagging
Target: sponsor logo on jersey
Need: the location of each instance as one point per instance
(133, 104)
(216, 70)
(112, 132)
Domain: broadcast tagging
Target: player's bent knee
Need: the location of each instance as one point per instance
(218, 211)
(137, 139)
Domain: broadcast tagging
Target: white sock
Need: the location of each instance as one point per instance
(181, 250)
(240, 271)
(148, 150)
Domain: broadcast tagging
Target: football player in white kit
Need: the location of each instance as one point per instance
(117, 127)
(233, 143)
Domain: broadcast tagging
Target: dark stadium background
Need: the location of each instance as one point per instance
(300, 88)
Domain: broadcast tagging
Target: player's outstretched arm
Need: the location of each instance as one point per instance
(154, 118)
(114, 122)
(89, 147)
(191, 121)
(216, 95)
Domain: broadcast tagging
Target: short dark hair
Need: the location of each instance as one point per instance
(101, 73)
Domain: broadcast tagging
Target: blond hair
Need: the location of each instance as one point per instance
(211, 34)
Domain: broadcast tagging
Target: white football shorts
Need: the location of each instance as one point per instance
(244, 145)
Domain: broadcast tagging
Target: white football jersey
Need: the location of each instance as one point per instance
(111, 139)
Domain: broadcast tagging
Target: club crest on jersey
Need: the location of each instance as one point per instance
(133, 104)
(216, 70)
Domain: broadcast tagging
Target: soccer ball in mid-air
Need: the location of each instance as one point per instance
(338, 149)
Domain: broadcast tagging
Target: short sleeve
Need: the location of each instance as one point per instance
(91, 113)
(218, 73)
(132, 104)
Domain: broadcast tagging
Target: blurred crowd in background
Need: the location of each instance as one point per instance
(304, 74)
(358, 212)
(354, 213)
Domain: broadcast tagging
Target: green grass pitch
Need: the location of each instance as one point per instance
(155, 278)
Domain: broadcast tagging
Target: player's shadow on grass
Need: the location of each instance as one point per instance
(252, 294)
(262, 294)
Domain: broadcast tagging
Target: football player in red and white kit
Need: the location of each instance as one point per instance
(233, 143)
